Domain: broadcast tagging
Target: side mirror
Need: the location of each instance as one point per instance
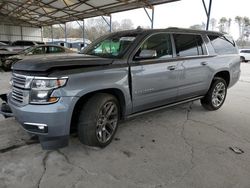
(147, 54)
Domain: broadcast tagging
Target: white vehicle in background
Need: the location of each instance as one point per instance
(245, 55)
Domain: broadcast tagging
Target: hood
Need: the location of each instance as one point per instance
(18, 56)
(49, 62)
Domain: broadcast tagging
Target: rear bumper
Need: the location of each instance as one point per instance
(50, 122)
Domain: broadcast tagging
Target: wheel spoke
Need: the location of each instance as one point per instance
(109, 112)
(107, 121)
(218, 94)
(103, 138)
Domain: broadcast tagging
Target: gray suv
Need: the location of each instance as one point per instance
(118, 76)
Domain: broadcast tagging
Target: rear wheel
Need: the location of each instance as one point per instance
(216, 95)
(98, 120)
(243, 59)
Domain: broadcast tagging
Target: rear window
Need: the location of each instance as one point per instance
(189, 45)
(54, 49)
(23, 43)
(223, 45)
(244, 51)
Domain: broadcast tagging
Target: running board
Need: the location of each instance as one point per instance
(163, 107)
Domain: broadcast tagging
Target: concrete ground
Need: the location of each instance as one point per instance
(184, 146)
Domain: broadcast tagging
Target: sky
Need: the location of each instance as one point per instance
(188, 12)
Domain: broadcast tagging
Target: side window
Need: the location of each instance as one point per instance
(223, 44)
(189, 45)
(54, 49)
(160, 44)
(27, 43)
(39, 50)
(17, 43)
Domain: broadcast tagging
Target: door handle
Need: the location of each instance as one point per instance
(171, 67)
(204, 63)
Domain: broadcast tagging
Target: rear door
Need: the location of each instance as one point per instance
(154, 80)
(192, 54)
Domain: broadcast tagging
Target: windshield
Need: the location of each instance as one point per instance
(27, 50)
(112, 47)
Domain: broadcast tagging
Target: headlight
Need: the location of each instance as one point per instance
(41, 90)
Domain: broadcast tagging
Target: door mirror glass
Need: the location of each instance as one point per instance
(147, 54)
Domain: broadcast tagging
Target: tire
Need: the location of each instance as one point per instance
(97, 125)
(6, 67)
(215, 98)
(242, 59)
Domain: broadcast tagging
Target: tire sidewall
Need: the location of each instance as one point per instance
(214, 84)
(88, 120)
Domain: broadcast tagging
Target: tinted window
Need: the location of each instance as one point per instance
(17, 43)
(189, 45)
(244, 51)
(40, 43)
(23, 43)
(161, 43)
(54, 49)
(223, 44)
(39, 50)
(28, 43)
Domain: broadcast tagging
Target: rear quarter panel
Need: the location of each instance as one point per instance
(230, 63)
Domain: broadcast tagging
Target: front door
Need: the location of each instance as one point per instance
(154, 74)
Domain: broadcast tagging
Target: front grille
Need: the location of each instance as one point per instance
(17, 94)
(18, 81)
(20, 88)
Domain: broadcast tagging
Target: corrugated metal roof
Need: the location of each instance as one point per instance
(49, 12)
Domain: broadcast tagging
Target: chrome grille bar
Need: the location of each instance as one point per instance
(20, 88)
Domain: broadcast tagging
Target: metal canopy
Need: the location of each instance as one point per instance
(50, 12)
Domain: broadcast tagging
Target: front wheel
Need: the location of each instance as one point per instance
(216, 95)
(6, 66)
(98, 120)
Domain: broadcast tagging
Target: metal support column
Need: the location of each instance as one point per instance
(52, 34)
(151, 18)
(208, 11)
(65, 34)
(108, 22)
(41, 33)
(83, 31)
(21, 32)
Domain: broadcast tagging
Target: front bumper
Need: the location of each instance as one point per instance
(50, 122)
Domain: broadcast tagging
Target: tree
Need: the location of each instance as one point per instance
(94, 28)
(239, 21)
(222, 24)
(198, 26)
(213, 23)
(244, 28)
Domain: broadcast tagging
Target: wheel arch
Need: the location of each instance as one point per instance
(80, 102)
(224, 74)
